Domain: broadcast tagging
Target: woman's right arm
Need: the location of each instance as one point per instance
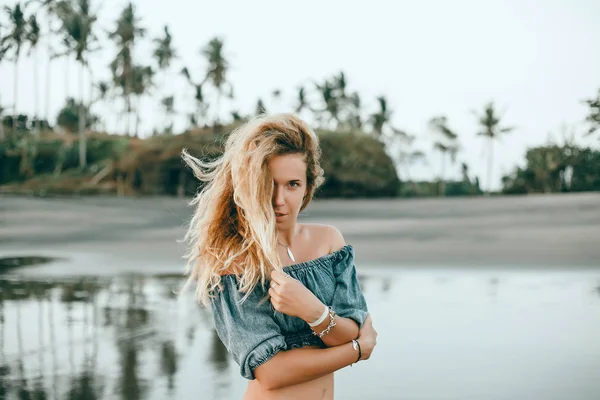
(251, 335)
(295, 366)
(301, 365)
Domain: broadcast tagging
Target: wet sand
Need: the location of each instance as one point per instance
(141, 234)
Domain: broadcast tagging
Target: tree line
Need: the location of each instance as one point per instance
(71, 31)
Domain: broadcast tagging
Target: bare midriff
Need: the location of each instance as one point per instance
(317, 389)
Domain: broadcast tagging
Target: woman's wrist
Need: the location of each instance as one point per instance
(315, 314)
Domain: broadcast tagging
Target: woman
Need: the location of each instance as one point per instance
(285, 297)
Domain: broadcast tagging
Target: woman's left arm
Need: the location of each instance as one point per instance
(348, 300)
(344, 331)
(290, 297)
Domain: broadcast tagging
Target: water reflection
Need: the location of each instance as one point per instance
(133, 338)
(387, 284)
(84, 386)
(493, 286)
(8, 263)
(131, 385)
(168, 362)
(93, 338)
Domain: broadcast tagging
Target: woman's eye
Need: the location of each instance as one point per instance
(294, 184)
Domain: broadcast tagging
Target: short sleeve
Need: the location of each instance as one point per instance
(247, 329)
(348, 298)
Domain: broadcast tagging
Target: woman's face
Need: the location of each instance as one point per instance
(289, 187)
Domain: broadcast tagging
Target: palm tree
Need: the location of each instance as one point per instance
(202, 106)
(49, 6)
(260, 107)
(78, 23)
(464, 167)
(276, 94)
(164, 53)
(33, 37)
(345, 103)
(409, 158)
(489, 123)
(327, 91)
(380, 118)
(142, 81)
(217, 70)
(14, 41)
(2, 109)
(126, 34)
(103, 89)
(340, 84)
(444, 149)
(446, 145)
(301, 104)
(29, 148)
(593, 118)
(168, 104)
(399, 145)
(354, 119)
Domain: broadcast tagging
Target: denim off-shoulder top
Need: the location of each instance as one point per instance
(253, 332)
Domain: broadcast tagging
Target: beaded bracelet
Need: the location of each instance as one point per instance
(331, 324)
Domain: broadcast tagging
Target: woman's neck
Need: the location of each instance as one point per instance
(287, 236)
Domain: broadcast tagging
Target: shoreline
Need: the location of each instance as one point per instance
(141, 234)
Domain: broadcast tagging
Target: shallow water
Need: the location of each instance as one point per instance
(444, 334)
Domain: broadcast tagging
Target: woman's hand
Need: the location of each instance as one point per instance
(289, 296)
(367, 338)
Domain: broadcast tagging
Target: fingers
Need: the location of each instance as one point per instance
(274, 287)
(274, 300)
(279, 276)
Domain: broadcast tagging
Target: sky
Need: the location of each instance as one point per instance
(536, 60)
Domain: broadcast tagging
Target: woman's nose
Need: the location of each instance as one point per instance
(278, 198)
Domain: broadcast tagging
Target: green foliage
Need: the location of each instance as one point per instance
(356, 165)
(433, 189)
(593, 118)
(551, 169)
(77, 31)
(68, 116)
(9, 163)
(51, 152)
(156, 167)
(17, 32)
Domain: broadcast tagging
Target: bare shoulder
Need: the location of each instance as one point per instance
(328, 234)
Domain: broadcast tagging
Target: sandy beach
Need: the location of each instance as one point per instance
(133, 233)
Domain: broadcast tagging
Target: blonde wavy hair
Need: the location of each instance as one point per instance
(233, 228)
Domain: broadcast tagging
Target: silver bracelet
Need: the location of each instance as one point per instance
(331, 324)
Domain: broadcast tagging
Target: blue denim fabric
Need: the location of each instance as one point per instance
(253, 332)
